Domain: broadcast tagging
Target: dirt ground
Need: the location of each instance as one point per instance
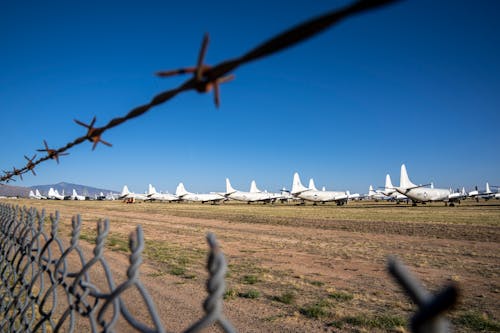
(306, 274)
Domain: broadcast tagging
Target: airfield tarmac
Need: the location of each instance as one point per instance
(305, 268)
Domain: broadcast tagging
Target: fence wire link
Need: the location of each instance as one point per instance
(205, 79)
(41, 291)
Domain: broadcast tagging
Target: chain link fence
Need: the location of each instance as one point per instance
(47, 286)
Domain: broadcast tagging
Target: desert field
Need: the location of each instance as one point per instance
(305, 268)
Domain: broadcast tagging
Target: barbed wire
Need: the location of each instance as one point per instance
(205, 79)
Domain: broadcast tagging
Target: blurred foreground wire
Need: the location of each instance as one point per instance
(205, 79)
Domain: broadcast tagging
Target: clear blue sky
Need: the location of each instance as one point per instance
(417, 82)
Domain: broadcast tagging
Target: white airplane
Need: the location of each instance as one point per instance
(312, 194)
(497, 195)
(273, 196)
(111, 196)
(184, 195)
(486, 195)
(39, 196)
(458, 195)
(376, 195)
(248, 197)
(153, 195)
(36, 195)
(54, 195)
(75, 196)
(100, 197)
(126, 194)
(353, 196)
(419, 193)
(391, 192)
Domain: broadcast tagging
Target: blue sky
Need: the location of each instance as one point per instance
(417, 82)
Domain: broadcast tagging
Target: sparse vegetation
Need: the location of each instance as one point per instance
(385, 322)
(230, 294)
(285, 298)
(117, 244)
(478, 322)
(252, 293)
(250, 279)
(316, 310)
(324, 264)
(340, 296)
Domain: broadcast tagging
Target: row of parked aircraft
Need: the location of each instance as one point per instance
(54, 195)
(181, 194)
(406, 191)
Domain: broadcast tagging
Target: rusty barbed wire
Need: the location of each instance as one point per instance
(206, 78)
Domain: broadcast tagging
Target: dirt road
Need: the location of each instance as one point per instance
(305, 274)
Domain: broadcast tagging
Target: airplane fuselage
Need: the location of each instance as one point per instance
(322, 196)
(203, 197)
(163, 197)
(249, 196)
(422, 194)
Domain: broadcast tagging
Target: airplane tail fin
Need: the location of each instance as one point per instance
(180, 190)
(388, 183)
(125, 190)
(405, 181)
(151, 190)
(312, 186)
(371, 191)
(229, 188)
(253, 187)
(37, 193)
(74, 193)
(31, 194)
(488, 188)
(297, 186)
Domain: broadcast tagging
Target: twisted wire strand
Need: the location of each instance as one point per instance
(216, 286)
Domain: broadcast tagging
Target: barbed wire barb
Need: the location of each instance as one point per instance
(92, 134)
(30, 166)
(52, 153)
(203, 85)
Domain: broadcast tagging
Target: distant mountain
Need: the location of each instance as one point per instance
(68, 189)
(13, 191)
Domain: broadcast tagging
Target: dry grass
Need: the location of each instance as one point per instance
(319, 267)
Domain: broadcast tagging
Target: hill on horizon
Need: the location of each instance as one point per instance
(13, 191)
